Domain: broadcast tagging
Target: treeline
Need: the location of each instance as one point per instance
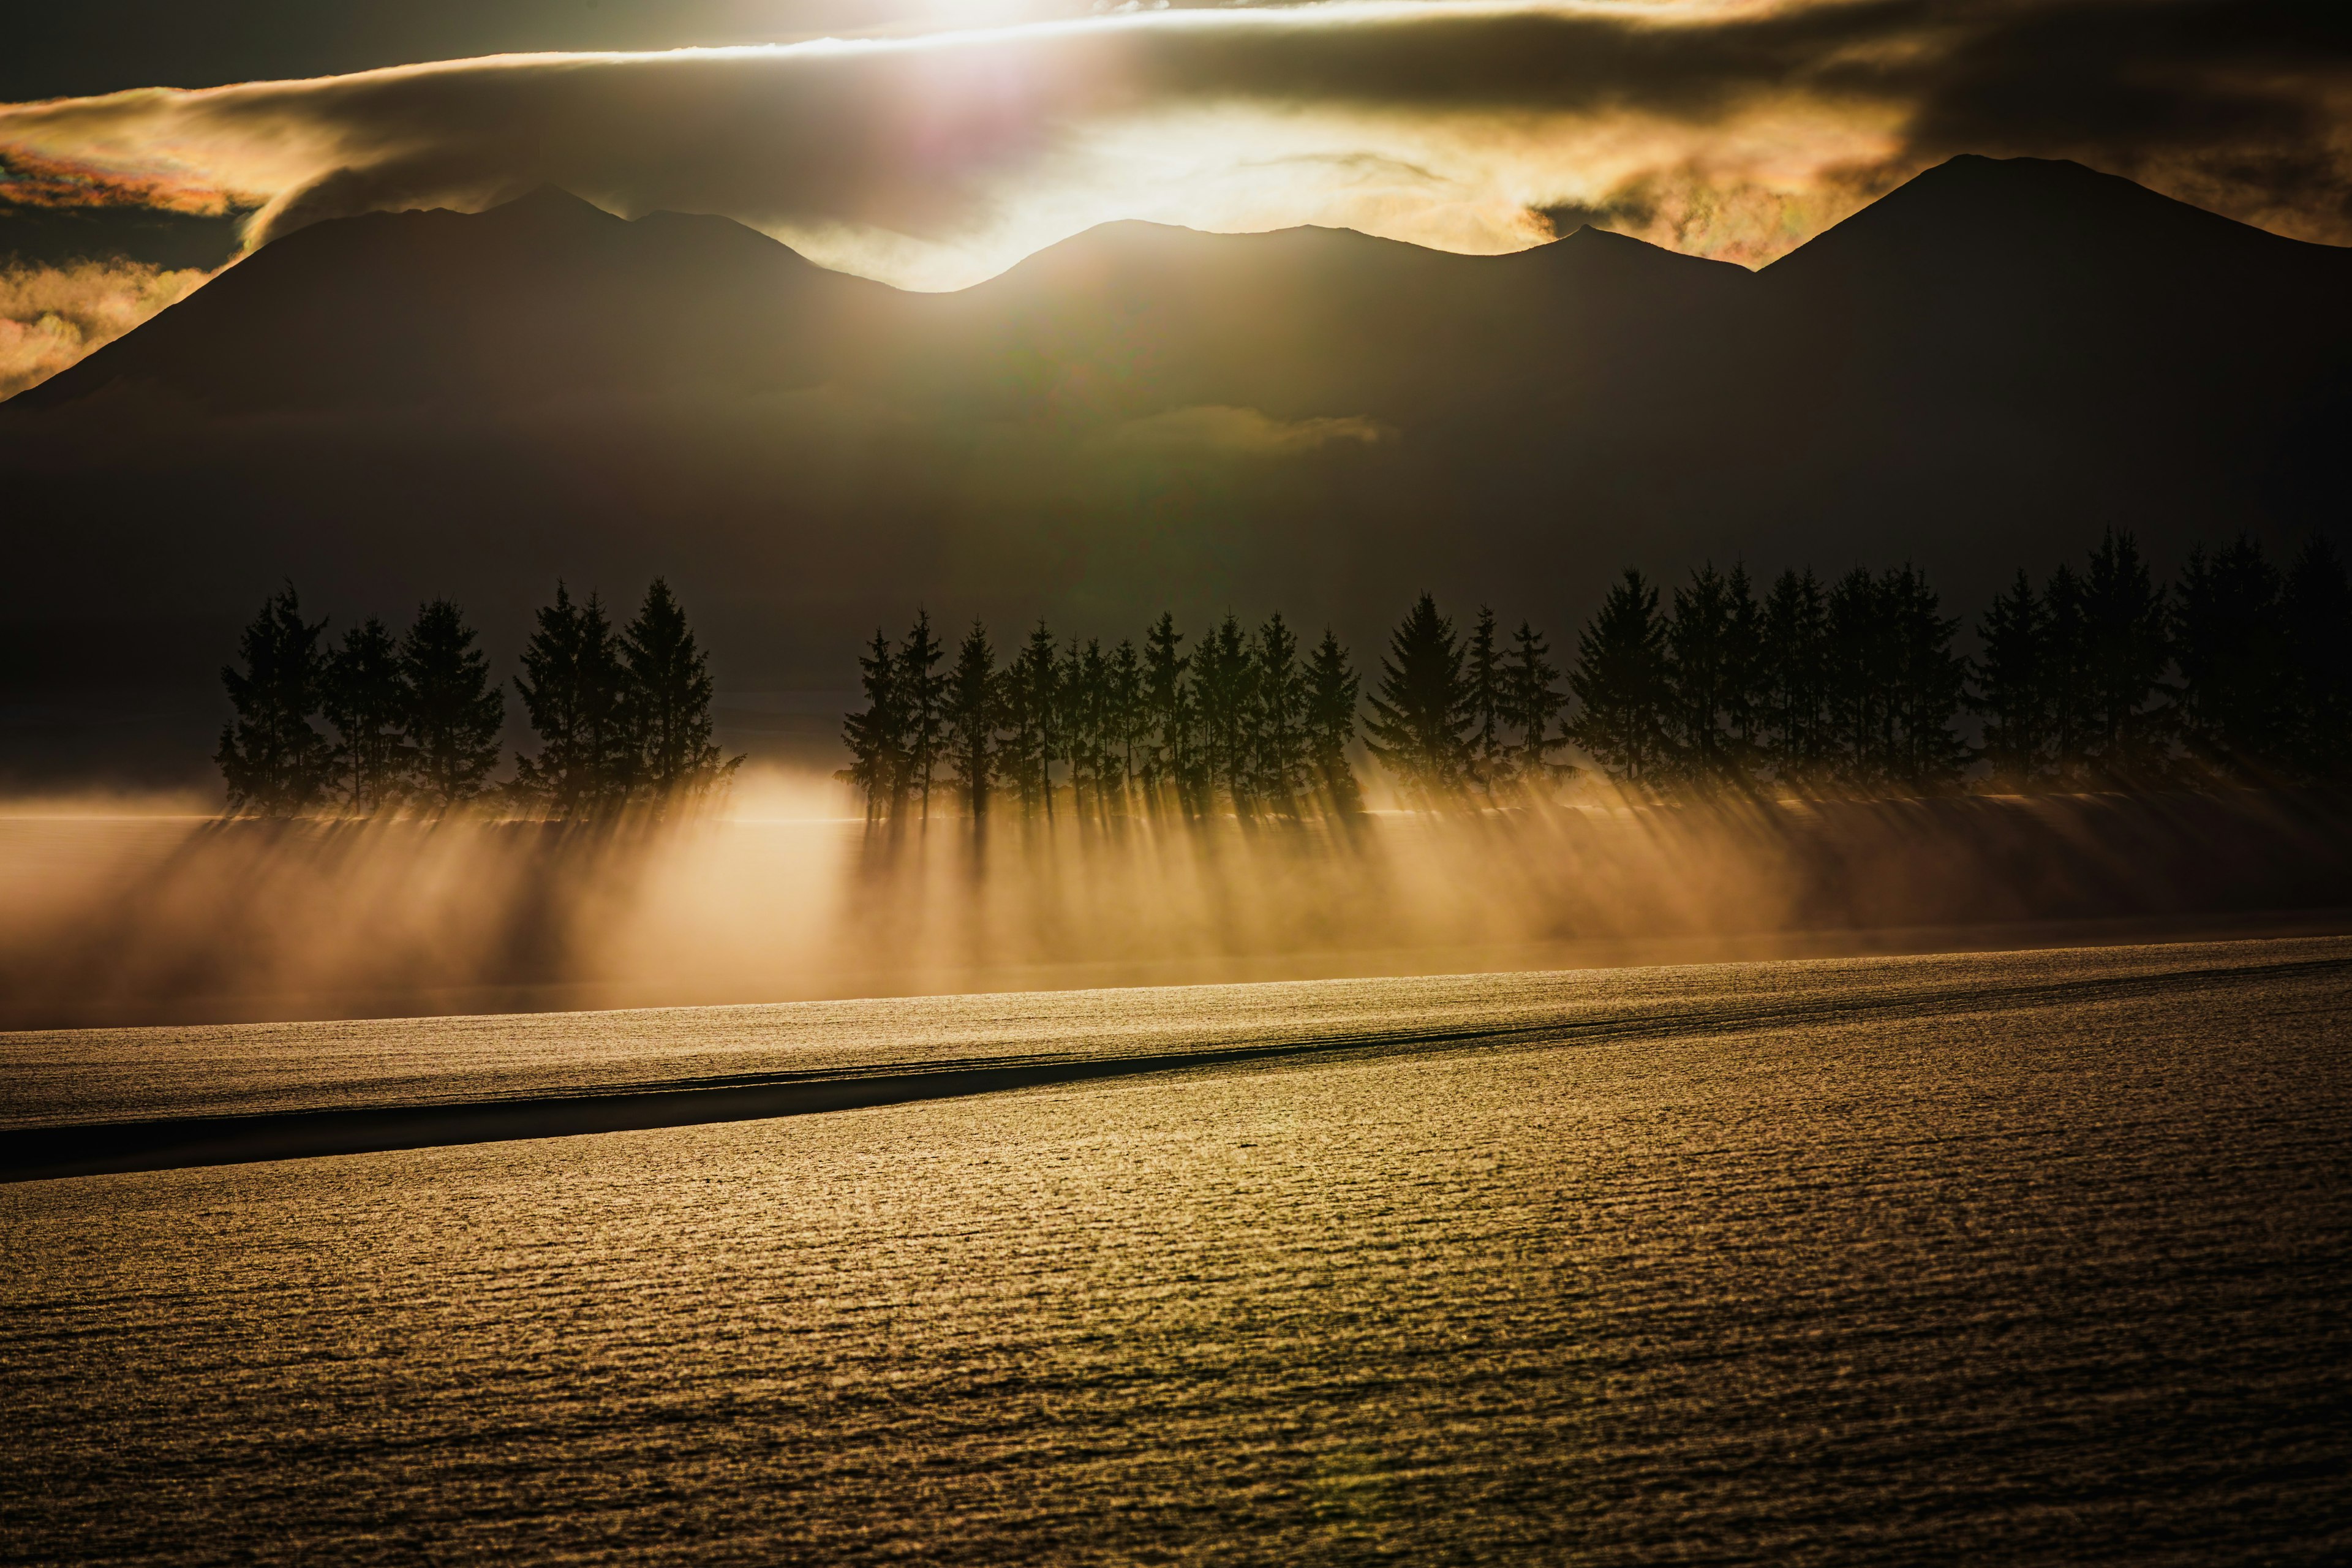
(2098, 678)
(413, 722)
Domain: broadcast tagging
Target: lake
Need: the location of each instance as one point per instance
(1986, 1258)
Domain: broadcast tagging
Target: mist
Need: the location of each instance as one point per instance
(139, 916)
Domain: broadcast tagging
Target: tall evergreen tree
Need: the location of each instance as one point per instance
(1131, 729)
(1860, 667)
(2125, 621)
(367, 702)
(1929, 687)
(2316, 610)
(1793, 696)
(1224, 682)
(1033, 703)
(2069, 706)
(974, 714)
(1332, 687)
(454, 713)
(2235, 706)
(1706, 671)
(924, 691)
(1283, 773)
(669, 703)
(574, 692)
(1620, 683)
(876, 734)
(1482, 669)
(2012, 685)
(272, 761)
(1422, 711)
(1530, 703)
(1168, 757)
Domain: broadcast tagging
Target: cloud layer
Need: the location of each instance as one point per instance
(1731, 128)
(52, 316)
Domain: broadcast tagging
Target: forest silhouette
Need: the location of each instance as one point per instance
(2240, 673)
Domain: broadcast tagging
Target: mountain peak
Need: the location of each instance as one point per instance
(549, 204)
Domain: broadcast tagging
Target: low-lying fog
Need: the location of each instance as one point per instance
(143, 910)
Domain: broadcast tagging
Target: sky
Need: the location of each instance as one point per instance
(931, 143)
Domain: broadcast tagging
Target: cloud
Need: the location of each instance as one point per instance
(1213, 429)
(52, 316)
(1734, 127)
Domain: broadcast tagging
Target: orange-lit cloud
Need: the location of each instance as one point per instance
(52, 316)
(1734, 127)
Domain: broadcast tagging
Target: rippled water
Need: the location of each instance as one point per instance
(1985, 1258)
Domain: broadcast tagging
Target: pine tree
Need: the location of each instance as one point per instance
(1172, 764)
(273, 762)
(1133, 726)
(2012, 685)
(1224, 681)
(1928, 686)
(1530, 703)
(2316, 610)
(1620, 683)
(973, 715)
(1488, 763)
(876, 734)
(2067, 673)
(2125, 619)
(669, 691)
(454, 713)
(575, 691)
(1793, 652)
(923, 690)
(1421, 713)
(1330, 722)
(365, 699)
(1032, 702)
(1860, 667)
(1703, 675)
(1282, 775)
(2235, 706)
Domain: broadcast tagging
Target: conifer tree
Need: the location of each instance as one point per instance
(974, 714)
(1860, 666)
(2066, 664)
(454, 713)
(1422, 711)
(1704, 672)
(876, 734)
(1224, 681)
(1282, 774)
(1620, 683)
(2316, 611)
(2235, 705)
(923, 690)
(574, 692)
(1482, 669)
(1928, 686)
(1330, 721)
(1530, 703)
(2125, 619)
(669, 689)
(1168, 762)
(1794, 644)
(273, 762)
(1033, 693)
(2012, 685)
(367, 702)
(1133, 728)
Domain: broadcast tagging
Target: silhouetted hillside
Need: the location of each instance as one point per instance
(1986, 367)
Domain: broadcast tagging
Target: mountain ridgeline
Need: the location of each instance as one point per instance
(1991, 364)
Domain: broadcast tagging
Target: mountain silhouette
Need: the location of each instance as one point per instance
(1979, 371)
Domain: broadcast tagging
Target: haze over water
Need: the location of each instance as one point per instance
(1995, 1257)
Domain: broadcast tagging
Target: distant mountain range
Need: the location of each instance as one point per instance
(1980, 371)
